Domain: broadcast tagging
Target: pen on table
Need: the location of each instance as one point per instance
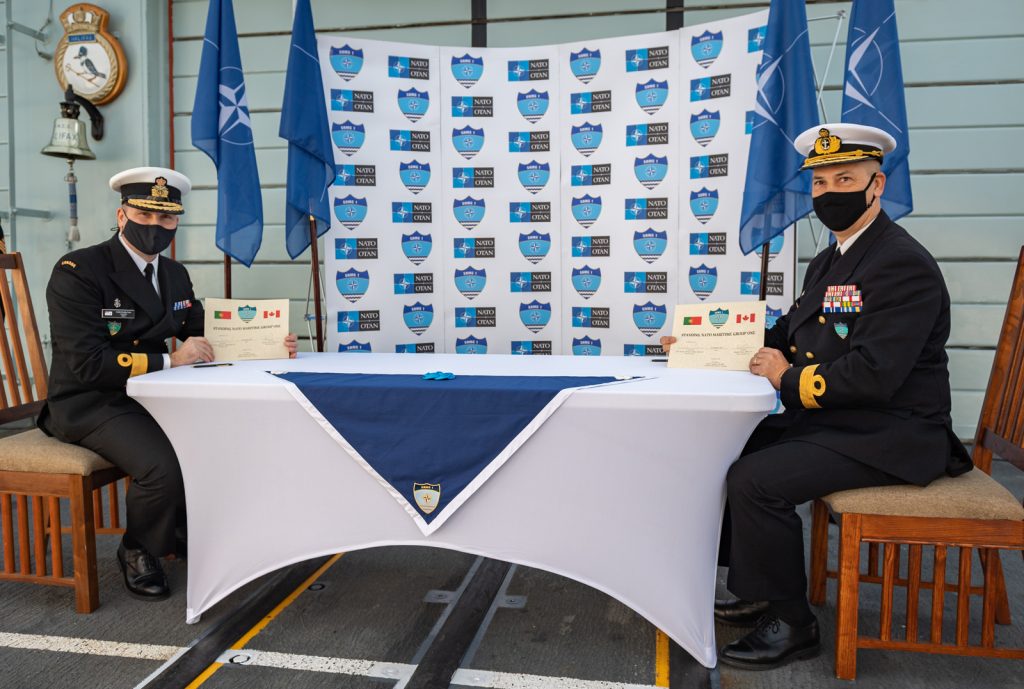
(209, 365)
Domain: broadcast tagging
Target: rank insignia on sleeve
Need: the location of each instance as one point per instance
(842, 329)
(841, 299)
(69, 264)
(113, 327)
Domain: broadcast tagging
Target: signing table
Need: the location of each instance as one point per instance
(621, 489)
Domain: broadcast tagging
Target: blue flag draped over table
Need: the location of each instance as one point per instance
(873, 93)
(221, 128)
(304, 125)
(432, 443)
(776, 193)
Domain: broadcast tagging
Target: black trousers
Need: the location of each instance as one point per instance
(762, 535)
(137, 445)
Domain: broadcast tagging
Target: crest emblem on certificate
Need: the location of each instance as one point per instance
(88, 58)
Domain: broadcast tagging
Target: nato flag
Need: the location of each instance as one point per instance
(304, 125)
(221, 128)
(873, 93)
(777, 194)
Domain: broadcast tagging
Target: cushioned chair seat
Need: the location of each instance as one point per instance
(35, 451)
(974, 495)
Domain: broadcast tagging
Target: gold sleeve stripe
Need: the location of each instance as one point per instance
(140, 364)
(812, 386)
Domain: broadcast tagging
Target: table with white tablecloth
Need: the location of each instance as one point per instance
(622, 488)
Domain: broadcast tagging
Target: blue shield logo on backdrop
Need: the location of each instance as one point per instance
(706, 48)
(354, 347)
(534, 176)
(650, 244)
(587, 137)
(650, 170)
(467, 69)
(469, 211)
(416, 247)
(649, 317)
(418, 317)
(586, 346)
(352, 283)
(535, 315)
(718, 317)
(585, 64)
(651, 95)
(703, 204)
(346, 61)
(532, 104)
(468, 141)
(534, 246)
(703, 281)
(770, 316)
(774, 246)
(350, 211)
(586, 209)
(470, 345)
(586, 281)
(348, 137)
(704, 126)
(470, 282)
(413, 104)
(414, 175)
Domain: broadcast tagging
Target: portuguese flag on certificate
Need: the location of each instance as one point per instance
(691, 320)
(222, 315)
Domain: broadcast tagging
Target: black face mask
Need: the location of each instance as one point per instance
(149, 239)
(840, 209)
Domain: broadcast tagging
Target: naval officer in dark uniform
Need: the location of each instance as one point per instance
(861, 366)
(112, 308)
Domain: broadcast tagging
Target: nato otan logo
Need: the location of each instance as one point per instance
(587, 137)
(585, 64)
(413, 104)
(472, 106)
(703, 280)
(534, 176)
(414, 283)
(528, 70)
(347, 100)
(584, 246)
(707, 243)
(467, 69)
(352, 284)
(427, 496)
(400, 67)
(750, 282)
(756, 38)
(350, 211)
(646, 209)
(468, 141)
(416, 247)
(586, 346)
(409, 140)
(651, 95)
(702, 167)
(530, 347)
(532, 105)
(404, 212)
(469, 211)
(651, 134)
(534, 246)
(415, 348)
(650, 170)
(533, 211)
(707, 88)
(704, 126)
(591, 175)
(644, 59)
(591, 317)
(706, 48)
(634, 282)
(704, 204)
(348, 248)
(358, 321)
(355, 347)
(355, 175)
(414, 175)
(586, 210)
(586, 281)
(774, 247)
(476, 317)
(650, 244)
(348, 137)
(418, 317)
(472, 177)
(535, 315)
(471, 281)
(346, 61)
(471, 345)
(590, 101)
(473, 247)
(649, 318)
(529, 142)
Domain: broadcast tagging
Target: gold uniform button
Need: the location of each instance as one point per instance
(792, 348)
(821, 319)
(135, 343)
(809, 355)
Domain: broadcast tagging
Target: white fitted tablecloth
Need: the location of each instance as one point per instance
(621, 489)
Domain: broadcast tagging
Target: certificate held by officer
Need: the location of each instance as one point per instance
(717, 336)
(240, 329)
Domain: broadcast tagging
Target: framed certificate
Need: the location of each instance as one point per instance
(720, 336)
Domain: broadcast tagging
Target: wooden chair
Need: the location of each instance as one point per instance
(968, 513)
(37, 471)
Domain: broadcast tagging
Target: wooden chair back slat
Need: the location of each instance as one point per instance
(963, 597)
(30, 328)
(23, 550)
(913, 590)
(56, 545)
(7, 531)
(938, 592)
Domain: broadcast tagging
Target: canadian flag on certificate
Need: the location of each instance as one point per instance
(272, 314)
(746, 318)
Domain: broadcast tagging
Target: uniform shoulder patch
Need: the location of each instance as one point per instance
(69, 264)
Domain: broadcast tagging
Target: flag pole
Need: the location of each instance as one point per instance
(314, 258)
(227, 276)
(763, 289)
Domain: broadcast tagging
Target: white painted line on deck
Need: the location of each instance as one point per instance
(511, 680)
(72, 644)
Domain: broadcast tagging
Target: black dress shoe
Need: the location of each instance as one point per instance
(143, 576)
(771, 644)
(739, 612)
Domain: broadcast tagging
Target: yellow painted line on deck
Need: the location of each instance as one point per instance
(267, 619)
(661, 669)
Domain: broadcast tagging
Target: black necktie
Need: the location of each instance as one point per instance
(836, 255)
(148, 272)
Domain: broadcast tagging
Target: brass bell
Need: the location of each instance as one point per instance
(68, 139)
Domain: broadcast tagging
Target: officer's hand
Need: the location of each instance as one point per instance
(666, 343)
(193, 350)
(291, 343)
(771, 364)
